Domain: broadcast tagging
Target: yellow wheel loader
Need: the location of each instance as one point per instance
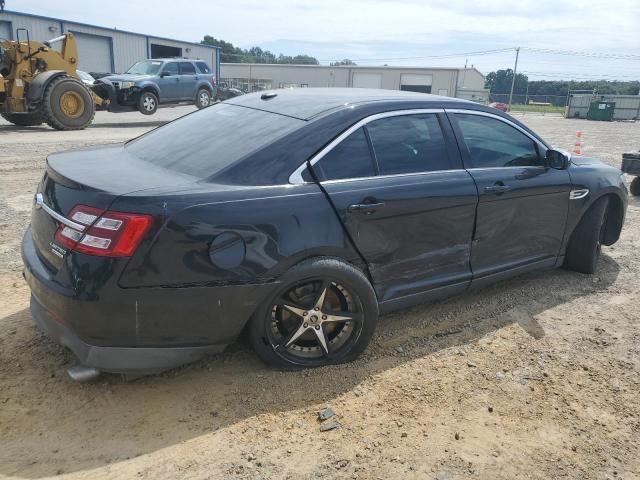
(39, 84)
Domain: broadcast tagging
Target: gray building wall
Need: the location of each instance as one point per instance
(444, 81)
(627, 106)
(123, 48)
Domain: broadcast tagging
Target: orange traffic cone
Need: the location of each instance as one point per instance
(577, 147)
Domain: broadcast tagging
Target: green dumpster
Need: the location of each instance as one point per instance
(601, 111)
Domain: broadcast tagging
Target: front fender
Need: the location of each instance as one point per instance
(40, 82)
(600, 181)
(148, 85)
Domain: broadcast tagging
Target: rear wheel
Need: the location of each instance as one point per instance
(148, 103)
(635, 187)
(67, 104)
(23, 119)
(203, 98)
(325, 312)
(583, 250)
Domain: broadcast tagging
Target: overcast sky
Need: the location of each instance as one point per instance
(391, 32)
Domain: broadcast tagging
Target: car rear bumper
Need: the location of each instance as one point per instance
(132, 360)
(135, 330)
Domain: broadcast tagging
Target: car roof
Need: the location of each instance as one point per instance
(307, 103)
(168, 59)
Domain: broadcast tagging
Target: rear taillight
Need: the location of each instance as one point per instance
(103, 233)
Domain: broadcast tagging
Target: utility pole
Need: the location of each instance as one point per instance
(513, 81)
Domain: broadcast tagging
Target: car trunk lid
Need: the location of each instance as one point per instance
(92, 177)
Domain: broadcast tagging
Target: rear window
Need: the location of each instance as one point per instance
(203, 67)
(206, 142)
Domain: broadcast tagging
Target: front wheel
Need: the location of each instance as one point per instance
(324, 313)
(67, 105)
(148, 103)
(203, 98)
(634, 188)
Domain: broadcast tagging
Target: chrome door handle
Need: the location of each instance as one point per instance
(366, 208)
(497, 189)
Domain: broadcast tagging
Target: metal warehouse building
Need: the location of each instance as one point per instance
(103, 49)
(453, 82)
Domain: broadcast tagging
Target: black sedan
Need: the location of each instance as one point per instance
(299, 217)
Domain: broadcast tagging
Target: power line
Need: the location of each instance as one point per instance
(581, 75)
(575, 53)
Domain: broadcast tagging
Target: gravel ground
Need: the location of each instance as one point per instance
(537, 377)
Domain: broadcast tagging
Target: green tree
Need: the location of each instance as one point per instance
(500, 82)
(346, 61)
(229, 53)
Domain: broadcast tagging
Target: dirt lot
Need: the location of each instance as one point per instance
(538, 377)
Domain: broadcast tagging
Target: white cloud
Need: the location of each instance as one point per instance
(334, 29)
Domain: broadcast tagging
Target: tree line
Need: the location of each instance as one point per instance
(229, 53)
(499, 82)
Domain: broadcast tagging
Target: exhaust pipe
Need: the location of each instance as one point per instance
(80, 373)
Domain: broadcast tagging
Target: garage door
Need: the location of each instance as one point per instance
(5, 30)
(413, 82)
(94, 53)
(367, 80)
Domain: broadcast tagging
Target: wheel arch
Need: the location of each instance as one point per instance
(615, 216)
(615, 219)
(204, 85)
(151, 88)
(39, 84)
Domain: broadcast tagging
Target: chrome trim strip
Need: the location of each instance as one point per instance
(395, 175)
(296, 177)
(578, 193)
(497, 117)
(61, 218)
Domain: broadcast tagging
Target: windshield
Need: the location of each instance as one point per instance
(206, 142)
(85, 76)
(145, 68)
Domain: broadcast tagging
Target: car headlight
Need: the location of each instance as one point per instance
(127, 84)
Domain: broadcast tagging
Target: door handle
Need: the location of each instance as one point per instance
(366, 208)
(498, 188)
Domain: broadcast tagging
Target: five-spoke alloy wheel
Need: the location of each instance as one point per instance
(324, 314)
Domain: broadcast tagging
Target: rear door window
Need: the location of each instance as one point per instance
(206, 142)
(203, 67)
(187, 68)
(409, 144)
(351, 158)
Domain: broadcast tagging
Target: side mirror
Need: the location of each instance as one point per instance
(556, 159)
(165, 74)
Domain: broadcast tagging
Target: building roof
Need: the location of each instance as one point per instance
(306, 103)
(352, 67)
(73, 22)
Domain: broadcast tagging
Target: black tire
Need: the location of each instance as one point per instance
(634, 188)
(203, 98)
(148, 103)
(67, 104)
(583, 250)
(32, 119)
(349, 338)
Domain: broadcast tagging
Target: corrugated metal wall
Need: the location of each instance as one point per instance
(627, 106)
(124, 48)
